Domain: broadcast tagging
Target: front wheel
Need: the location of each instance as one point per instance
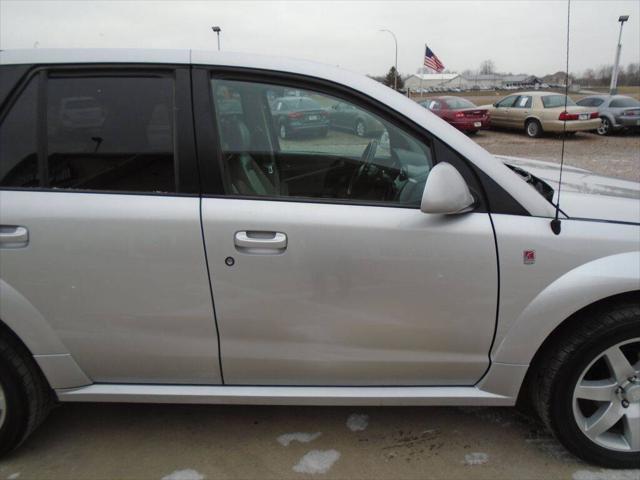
(588, 389)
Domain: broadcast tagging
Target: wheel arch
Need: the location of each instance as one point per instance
(532, 117)
(563, 329)
(25, 326)
(577, 289)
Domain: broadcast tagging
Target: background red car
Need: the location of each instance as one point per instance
(459, 112)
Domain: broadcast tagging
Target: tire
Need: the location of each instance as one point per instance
(25, 397)
(533, 128)
(283, 131)
(360, 129)
(605, 127)
(585, 354)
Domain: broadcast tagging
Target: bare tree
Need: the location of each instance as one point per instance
(487, 67)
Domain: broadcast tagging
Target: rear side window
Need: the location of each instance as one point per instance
(110, 133)
(18, 141)
(98, 133)
(555, 101)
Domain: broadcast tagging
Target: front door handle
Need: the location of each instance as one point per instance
(260, 242)
(12, 236)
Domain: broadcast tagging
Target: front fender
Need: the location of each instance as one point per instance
(576, 289)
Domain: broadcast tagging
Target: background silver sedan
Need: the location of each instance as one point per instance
(617, 112)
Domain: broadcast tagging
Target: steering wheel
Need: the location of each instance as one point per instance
(367, 157)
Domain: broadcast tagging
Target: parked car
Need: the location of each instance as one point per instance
(539, 112)
(617, 112)
(346, 116)
(427, 272)
(295, 115)
(459, 112)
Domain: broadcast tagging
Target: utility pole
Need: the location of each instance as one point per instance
(217, 31)
(614, 75)
(395, 77)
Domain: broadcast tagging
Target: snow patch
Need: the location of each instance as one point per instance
(187, 474)
(13, 476)
(317, 461)
(607, 475)
(357, 422)
(301, 437)
(476, 458)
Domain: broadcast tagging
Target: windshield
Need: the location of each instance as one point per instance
(455, 103)
(554, 101)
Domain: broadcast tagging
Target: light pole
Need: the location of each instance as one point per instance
(217, 31)
(614, 75)
(395, 77)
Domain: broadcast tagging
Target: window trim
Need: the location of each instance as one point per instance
(185, 158)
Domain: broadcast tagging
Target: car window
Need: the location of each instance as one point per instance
(456, 103)
(554, 101)
(596, 102)
(102, 133)
(507, 102)
(587, 102)
(322, 147)
(18, 142)
(523, 101)
(624, 102)
(110, 133)
(433, 105)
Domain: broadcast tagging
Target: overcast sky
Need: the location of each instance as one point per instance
(519, 36)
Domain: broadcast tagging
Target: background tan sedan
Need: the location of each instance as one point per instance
(539, 112)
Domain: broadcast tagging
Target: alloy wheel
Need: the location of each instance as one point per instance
(604, 127)
(283, 131)
(532, 129)
(606, 398)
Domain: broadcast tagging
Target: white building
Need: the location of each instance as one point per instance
(430, 80)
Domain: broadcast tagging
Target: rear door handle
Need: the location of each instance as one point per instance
(12, 236)
(260, 242)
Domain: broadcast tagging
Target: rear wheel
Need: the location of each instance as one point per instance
(360, 129)
(588, 389)
(605, 127)
(533, 128)
(25, 398)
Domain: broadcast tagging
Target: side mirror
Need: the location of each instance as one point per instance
(446, 191)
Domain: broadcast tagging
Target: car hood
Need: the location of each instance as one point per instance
(586, 194)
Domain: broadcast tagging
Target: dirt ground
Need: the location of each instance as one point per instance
(181, 442)
(615, 156)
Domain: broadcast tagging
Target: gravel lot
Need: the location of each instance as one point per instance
(231, 442)
(615, 156)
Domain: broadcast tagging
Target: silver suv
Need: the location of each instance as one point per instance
(161, 242)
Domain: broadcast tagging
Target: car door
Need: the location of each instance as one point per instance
(520, 111)
(110, 247)
(340, 281)
(500, 115)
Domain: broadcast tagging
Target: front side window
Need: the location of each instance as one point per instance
(507, 102)
(285, 142)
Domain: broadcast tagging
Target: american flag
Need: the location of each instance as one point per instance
(431, 61)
